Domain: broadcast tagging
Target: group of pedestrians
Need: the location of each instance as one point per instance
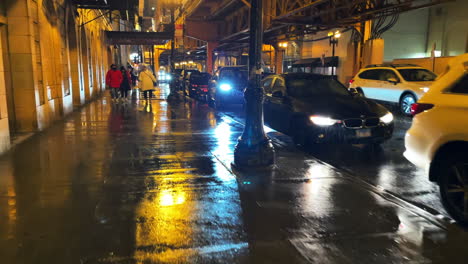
(121, 81)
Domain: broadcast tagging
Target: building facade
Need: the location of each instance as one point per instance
(53, 58)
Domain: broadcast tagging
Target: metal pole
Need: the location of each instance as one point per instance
(333, 56)
(254, 148)
(172, 89)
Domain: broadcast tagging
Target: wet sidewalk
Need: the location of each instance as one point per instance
(152, 183)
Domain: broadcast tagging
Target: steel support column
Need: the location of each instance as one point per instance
(279, 57)
(254, 148)
(210, 47)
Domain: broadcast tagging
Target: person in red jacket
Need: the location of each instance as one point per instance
(113, 80)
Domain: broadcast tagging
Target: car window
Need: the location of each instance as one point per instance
(266, 84)
(461, 86)
(417, 75)
(384, 75)
(370, 75)
(306, 87)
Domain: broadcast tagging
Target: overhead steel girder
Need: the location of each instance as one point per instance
(138, 38)
(342, 13)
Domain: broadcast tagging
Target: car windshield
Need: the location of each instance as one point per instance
(200, 76)
(417, 75)
(234, 74)
(311, 86)
(190, 72)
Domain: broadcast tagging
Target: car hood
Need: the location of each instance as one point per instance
(339, 107)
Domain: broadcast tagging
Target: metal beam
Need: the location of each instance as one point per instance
(300, 9)
(138, 38)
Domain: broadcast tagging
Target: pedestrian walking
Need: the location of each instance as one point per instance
(126, 84)
(133, 74)
(113, 80)
(147, 81)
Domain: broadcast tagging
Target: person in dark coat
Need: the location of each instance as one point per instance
(126, 84)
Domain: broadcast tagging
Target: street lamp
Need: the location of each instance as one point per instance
(254, 148)
(334, 36)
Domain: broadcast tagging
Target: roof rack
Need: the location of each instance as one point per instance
(391, 65)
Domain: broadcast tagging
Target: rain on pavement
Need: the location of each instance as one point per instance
(153, 183)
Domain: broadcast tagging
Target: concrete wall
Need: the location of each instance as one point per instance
(448, 28)
(408, 38)
(49, 64)
(437, 65)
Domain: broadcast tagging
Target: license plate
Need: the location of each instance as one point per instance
(362, 133)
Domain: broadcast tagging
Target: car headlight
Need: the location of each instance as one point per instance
(323, 120)
(387, 118)
(168, 77)
(225, 87)
(424, 89)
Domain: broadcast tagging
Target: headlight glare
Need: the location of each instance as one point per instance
(225, 87)
(323, 120)
(387, 118)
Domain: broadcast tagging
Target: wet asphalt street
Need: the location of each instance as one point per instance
(153, 183)
(385, 167)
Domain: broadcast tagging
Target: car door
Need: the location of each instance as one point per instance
(266, 84)
(370, 83)
(279, 108)
(391, 86)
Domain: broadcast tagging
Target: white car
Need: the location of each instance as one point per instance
(438, 137)
(396, 83)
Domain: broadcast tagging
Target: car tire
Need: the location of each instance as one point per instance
(405, 103)
(453, 180)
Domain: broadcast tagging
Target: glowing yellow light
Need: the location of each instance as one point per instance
(330, 34)
(283, 44)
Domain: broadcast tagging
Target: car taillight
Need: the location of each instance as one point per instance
(418, 108)
(205, 90)
(351, 81)
(194, 85)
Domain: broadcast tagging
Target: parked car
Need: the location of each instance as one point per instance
(228, 85)
(184, 80)
(314, 108)
(396, 83)
(438, 137)
(198, 85)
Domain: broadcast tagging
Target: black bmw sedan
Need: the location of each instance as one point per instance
(314, 108)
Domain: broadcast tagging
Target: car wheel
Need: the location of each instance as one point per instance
(405, 104)
(453, 184)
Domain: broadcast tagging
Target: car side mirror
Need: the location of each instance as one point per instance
(277, 94)
(392, 80)
(353, 92)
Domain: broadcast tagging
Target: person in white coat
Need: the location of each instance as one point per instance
(147, 80)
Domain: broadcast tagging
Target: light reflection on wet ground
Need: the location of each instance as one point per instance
(152, 183)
